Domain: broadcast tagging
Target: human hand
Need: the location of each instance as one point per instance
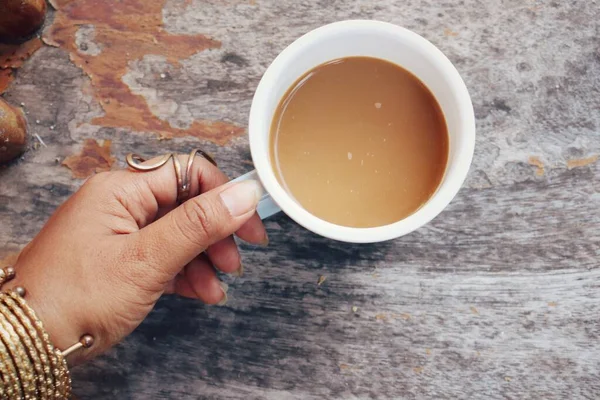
(118, 244)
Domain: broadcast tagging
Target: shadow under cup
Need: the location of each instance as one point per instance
(369, 39)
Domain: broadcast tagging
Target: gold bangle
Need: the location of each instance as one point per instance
(27, 351)
(9, 374)
(16, 367)
(39, 346)
(26, 364)
(30, 366)
(36, 352)
(12, 355)
(85, 342)
(65, 375)
(57, 363)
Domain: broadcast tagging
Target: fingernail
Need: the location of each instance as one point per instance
(265, 241)
(239, 272)
(241, 198)
(224, 288)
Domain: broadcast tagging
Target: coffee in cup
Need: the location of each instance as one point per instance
(359, 142)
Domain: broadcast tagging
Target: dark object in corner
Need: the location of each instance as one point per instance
(19, 19)
(13, 132)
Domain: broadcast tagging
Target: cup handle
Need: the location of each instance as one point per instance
(266, 206)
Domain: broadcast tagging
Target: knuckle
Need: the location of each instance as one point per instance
(97, 179)
(109, 185)
(201, 215)
(201, 219)
(98, 183)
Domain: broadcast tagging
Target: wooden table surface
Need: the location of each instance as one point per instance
(497, 298)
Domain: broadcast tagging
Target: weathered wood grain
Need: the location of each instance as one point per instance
(497, 298)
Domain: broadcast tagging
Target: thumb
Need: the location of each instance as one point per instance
(175, 239)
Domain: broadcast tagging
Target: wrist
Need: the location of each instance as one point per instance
(32, 367)
(53, 309)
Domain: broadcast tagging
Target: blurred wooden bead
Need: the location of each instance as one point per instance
(13, 132)
(87, 341)
(19, 19)
(10, 273)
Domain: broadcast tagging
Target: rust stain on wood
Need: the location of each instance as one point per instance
(581, 162)
(474, 310)
(381, 317)
(6, 77)
(125, 31)
(349, 368)
(93, 158)
(418, 370)
(388, 316)
(536, 162)
(450, 33)
(552, 304)
(12, 56)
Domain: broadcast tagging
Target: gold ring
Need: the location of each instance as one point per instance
(183, 182)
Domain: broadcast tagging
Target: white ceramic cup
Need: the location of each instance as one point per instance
(370, 39)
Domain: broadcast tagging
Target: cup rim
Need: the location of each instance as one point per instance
(436, 203)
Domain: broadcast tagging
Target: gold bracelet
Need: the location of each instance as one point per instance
(7, 308)
(25, 364)
(30, 366)
(14, 360)
(9, 376)
(39, 346)
(58, 363)
(27, 353)
(9, 373)
(58, 368)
